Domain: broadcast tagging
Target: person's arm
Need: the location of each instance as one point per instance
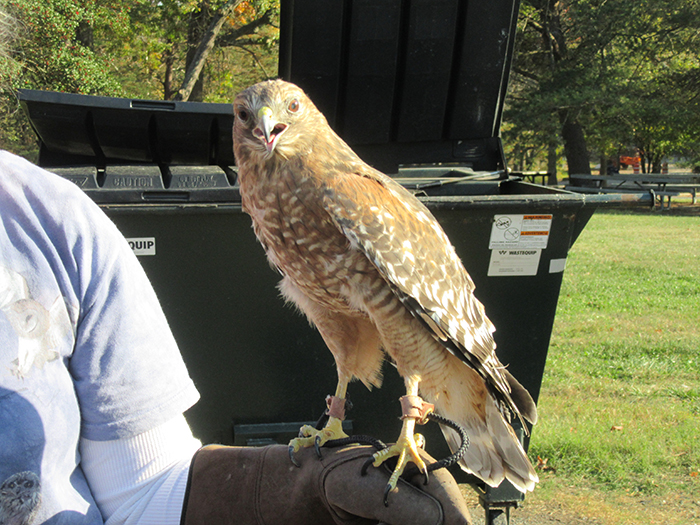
(141, 479)
(260, 485)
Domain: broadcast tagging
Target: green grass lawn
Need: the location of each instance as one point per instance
(620, 404)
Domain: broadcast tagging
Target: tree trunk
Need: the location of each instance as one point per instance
(196, 27)
(552, 163)
(643, 160)
(656, 163)
(168, 60)
(193, 84)
(85, 35)
(199, 56)
(575, 148)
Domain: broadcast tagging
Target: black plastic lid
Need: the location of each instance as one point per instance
(90, 130)
(405, 82)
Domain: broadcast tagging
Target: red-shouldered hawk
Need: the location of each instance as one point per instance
(373, 270)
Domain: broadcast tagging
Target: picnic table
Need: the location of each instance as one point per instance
(532, 176)
(662, 186)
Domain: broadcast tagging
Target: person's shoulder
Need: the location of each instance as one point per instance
(16, 165)
(19, 171)
(45, 202)
(33, 190)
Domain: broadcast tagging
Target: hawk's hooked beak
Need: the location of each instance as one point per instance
(268, 129)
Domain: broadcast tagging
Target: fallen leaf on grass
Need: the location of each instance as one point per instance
(616, 428)
(693, 474)
(542, 465)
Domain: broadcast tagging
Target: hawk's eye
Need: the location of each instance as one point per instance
(243, 115)
(293, 106)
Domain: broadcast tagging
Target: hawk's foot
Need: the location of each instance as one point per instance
(312, 437)
(415, 410)
(406, 451)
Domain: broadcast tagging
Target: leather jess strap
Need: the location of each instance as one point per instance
(416, 408)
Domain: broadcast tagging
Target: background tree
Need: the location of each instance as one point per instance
(166, 34)
(665, 106)
(592, 75)
(55, 43)
(208, 27)
(53, 48)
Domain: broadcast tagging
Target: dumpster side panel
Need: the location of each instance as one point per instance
(251, 357)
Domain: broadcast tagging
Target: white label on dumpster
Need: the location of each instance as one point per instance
(143, 245)
(557, 265)
(522, 232)
(505, 263)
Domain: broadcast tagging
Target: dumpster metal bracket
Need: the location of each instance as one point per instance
(262, 434)
(498, 515)
(497, 502)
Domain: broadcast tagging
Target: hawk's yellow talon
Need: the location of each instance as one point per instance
(406, 449)
(311, 437)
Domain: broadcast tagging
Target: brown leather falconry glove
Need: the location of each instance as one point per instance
(246, 485)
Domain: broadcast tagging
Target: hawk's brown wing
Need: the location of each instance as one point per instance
(411, 251)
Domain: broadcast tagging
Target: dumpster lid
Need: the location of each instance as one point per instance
(96, 131)
(415, 82)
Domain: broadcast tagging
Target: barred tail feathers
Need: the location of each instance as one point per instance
(494, 452)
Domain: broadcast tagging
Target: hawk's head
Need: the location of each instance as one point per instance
(274, 118)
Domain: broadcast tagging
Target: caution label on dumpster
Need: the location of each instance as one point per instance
(520, 232)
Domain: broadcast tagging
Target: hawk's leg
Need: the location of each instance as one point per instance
(406, 447)
(310, 436)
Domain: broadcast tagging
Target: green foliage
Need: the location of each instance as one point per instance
(52, 56)
(50, 47)
(165, 31)
(134, 49)
(247, 58)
